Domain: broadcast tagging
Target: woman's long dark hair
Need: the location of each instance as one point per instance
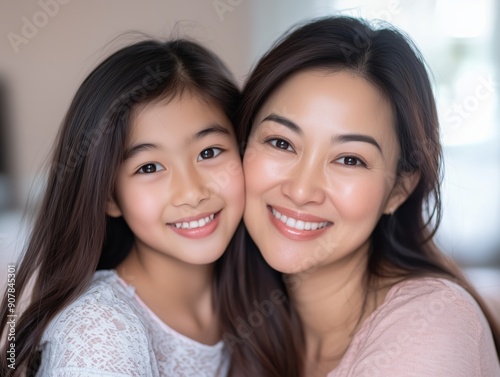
(402, 244)
(72, 237)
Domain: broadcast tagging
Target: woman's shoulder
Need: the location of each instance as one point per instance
(438, 294)
(425, 325)
(432, 307)
(99, 330)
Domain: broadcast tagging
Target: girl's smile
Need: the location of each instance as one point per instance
(196, 226)
(180, 186)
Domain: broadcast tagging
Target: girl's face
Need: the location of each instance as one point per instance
(320, 170)
(180, 187)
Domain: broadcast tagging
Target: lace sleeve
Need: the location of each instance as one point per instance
(96, 336)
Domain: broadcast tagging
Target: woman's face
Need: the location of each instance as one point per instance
(320, 170)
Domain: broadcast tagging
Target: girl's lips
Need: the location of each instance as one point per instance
(195, 227)
(297, 226)
(193, 218)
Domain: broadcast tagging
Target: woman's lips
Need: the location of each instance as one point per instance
(297, 226)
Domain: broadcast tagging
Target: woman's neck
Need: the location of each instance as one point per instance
(179, 293)
(331, 303)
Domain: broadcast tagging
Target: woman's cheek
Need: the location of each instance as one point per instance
(356, 197)
(260, 171)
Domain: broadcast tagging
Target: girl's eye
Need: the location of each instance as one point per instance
(351, 161)
(150, 168)
(281, 144)
(209, 153)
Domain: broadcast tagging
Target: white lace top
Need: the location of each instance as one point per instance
(109, 332)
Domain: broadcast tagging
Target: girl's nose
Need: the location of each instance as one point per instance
(190, 188)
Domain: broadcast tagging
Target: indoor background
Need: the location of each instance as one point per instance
(47, 47)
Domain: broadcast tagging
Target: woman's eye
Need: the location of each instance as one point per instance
(209, 153)
(351, 161)
(150, 168)
(281, 144)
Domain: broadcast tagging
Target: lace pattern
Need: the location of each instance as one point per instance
(107, 332)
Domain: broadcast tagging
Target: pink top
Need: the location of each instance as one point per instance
(424, 327)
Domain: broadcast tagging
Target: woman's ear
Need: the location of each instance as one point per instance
(402, 189)
(112, 208)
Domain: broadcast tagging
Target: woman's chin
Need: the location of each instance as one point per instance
(288, 261)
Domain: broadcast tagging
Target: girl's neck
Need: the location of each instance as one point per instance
(179, 293)
(332, 301)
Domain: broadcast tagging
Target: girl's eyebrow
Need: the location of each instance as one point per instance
(284, 122)
(209, 130)
(136, 149)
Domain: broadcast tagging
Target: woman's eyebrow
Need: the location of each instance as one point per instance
(335, 139)
(344, 138)
(283, 121)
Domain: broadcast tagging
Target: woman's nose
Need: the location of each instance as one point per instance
(304, 185)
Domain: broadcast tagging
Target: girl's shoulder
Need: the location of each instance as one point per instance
(105, 301)
(99, 331)
(425, 326)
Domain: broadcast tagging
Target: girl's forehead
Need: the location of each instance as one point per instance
(180, 117)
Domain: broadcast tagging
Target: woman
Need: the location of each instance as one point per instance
(342, 167)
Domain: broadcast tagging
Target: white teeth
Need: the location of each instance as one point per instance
(298, 224)
(196, 223)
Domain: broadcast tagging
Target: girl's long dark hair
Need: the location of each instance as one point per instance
(402, 244)
(72, 236)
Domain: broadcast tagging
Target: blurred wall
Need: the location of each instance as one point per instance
(47, 47)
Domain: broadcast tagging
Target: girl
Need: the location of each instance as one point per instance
(342, 174)
(146, 187)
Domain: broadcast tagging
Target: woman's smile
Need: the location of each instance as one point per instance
(296, 225)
